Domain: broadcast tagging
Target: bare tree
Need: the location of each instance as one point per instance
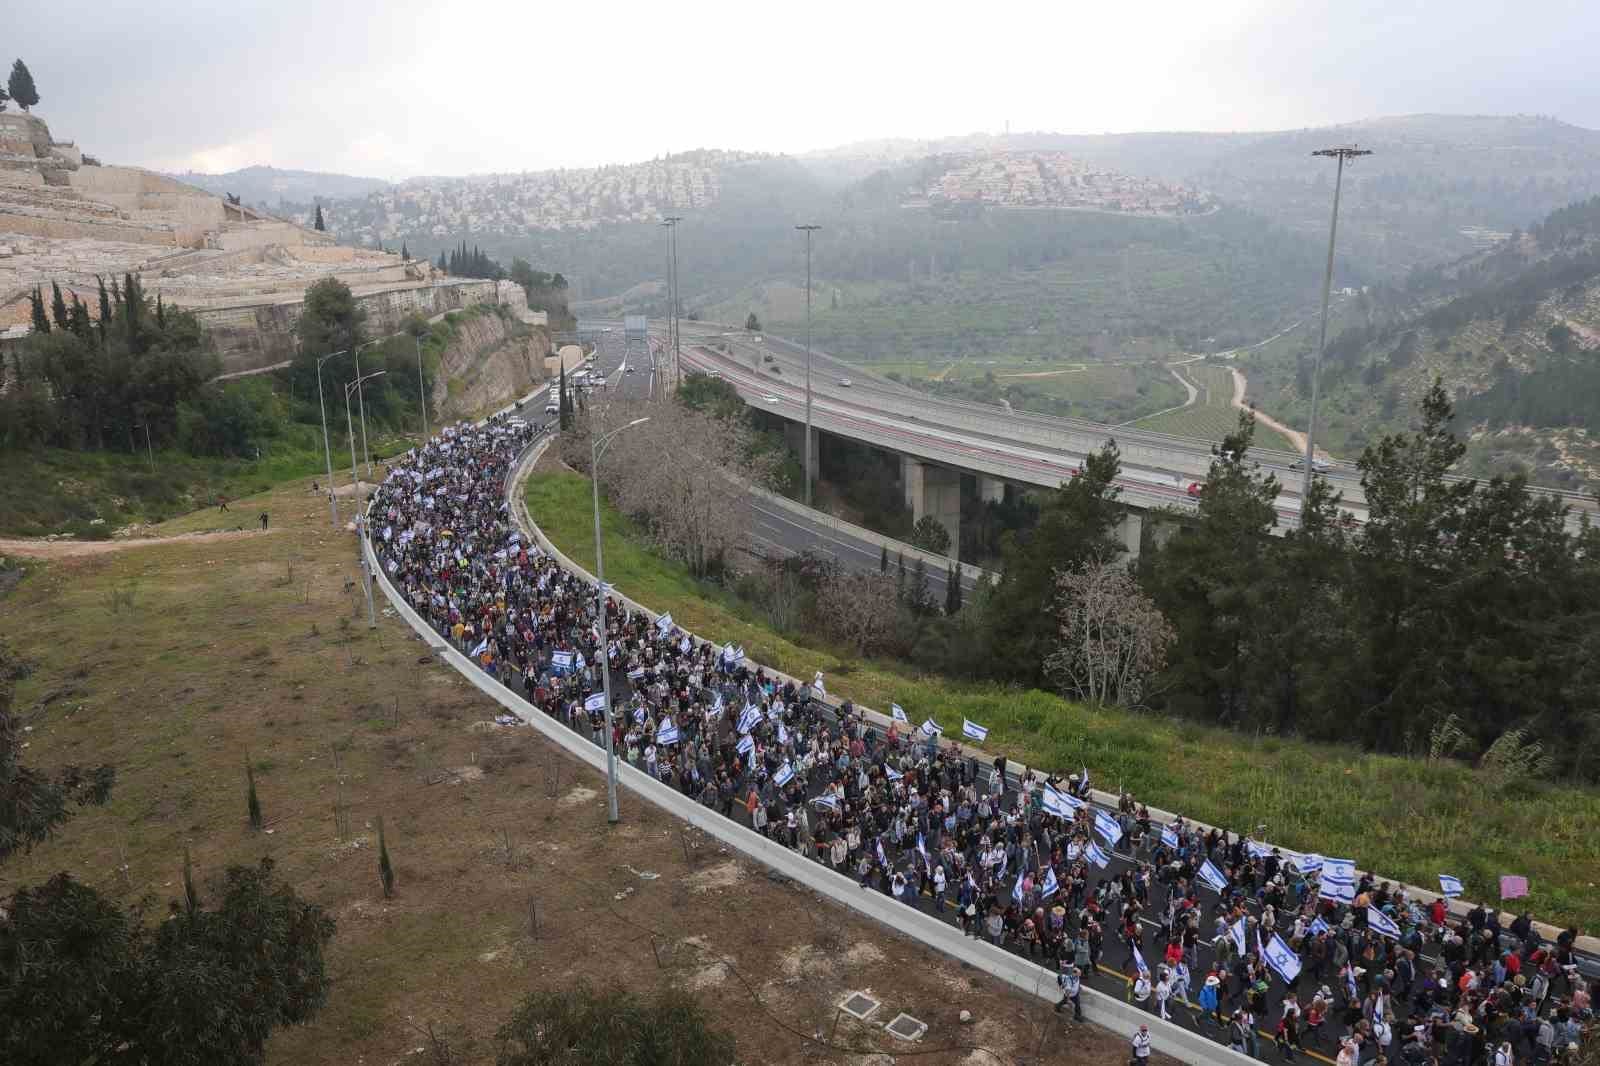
(1113, 638)
(860, 609)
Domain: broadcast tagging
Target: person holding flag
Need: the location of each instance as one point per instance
(1071, 982)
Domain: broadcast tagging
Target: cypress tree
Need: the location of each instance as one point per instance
(385, 868)
(252, 804)
(105, 308)
(900, 577)
(41, 321)
(883, 560)
(20, 86)
(444, 267)
(955, 590)
(78, 317)
(319, 225)
(161, 313)
(58, 306)
(949, 590)
(405, 255)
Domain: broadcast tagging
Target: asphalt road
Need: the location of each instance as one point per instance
(777, 530)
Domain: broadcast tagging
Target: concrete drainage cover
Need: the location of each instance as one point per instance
(859, 1005)
(906, 1027)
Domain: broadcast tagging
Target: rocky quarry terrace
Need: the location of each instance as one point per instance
(67, 219)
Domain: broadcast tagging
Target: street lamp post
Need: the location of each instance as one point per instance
(671, 222)
(327, 450)
(149, 448)
(595, 451)
(1341, 154)
(361, 404)
(355, 387)
(422, 392)
(809, 230)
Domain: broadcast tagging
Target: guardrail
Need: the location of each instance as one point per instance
(1025, 976)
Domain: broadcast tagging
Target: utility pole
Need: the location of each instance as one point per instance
(327, 452)
(1341, 154)
(422, 393)
(809, 230)
(671, 222)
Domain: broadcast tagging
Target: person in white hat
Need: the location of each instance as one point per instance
(1141, 1047)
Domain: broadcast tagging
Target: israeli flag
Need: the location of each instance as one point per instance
(899, 713)
(922, 848)
(664, 623)
(1107, 827)
(825, 800)
(974, 731)
(596, 702)
(638, 714)
(636, 674)
(667, 735)
(1016, 891)
(1083, 777)
(783, 734)
(891, 773)
(1050, 886)
(1341, 891)
(784, 775)
(816, 685)
(1169, 836)
(1350, 982)
(1138, 961)
(1236, 933)
(931, 728)
(561, 661)
(1449, 887)
(483, 646)
(746, 742)
(1059, 803)
(1309, 864)
(750, 718)
(1096, 855)
(1382, 924)
(1339, 870)
(1212, 876)
(775, 712)
(1257, 849)
(1284, 962)
(883, 860)
(1318, 926)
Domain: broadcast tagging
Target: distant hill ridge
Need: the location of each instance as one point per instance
(269, 186)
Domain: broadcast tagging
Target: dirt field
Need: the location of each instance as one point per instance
(179, 660)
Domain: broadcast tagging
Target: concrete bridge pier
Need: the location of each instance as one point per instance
(934, 490)
(794, 435)
(1131, 531)
(991, 489)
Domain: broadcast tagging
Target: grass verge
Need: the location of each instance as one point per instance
(1408, 819)
(179, 661)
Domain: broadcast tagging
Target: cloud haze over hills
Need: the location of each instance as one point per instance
(407, 88)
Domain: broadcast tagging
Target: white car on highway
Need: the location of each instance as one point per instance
(770, 399)
(1321, 466)
(845, 382)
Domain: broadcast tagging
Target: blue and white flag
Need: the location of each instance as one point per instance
(1138, 961)
(1339, 870)
(1083, 778)
(931, 728)
(898, 713)
(974, 731)
(636, 674)
(783, 734)
(667, 735)
(1350, 981)
(1257, 849)
(1449, 887)
(1059, 803)
(816, 685)
(1169, 836)
(922, 848)
(1050, 886)
(1236, 934)
(1309, 864)
(826, 800)
(891, 773)
(784, 775)
(1212, 877)
(638, 714)
(1016, 891)
(1096, 855)
(883, 860)
(483, 646)
(664, 623)
(750, 718)
(561, 661)
(1382, 924)
(1318, 926)
(1341, 892)
(775, 712)
(595, 702)
(716, 704)
(1284, 962)
(746, 742)
(1107, 827)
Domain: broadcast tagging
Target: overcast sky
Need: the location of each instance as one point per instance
(404, 88)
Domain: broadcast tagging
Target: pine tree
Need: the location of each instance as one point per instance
(444, 267)
(405, 254)
(41, 321)
(385, 868)
(78, 318)
(318, 224)
(21, 86)
(252, 803)
(58, 306)
(919, 598)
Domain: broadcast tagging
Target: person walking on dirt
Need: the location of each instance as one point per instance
(222, 503)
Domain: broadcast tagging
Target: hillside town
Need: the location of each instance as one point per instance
(1056, 180)
(514, 204)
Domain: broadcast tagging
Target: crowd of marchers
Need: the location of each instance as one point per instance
(1188, 920)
